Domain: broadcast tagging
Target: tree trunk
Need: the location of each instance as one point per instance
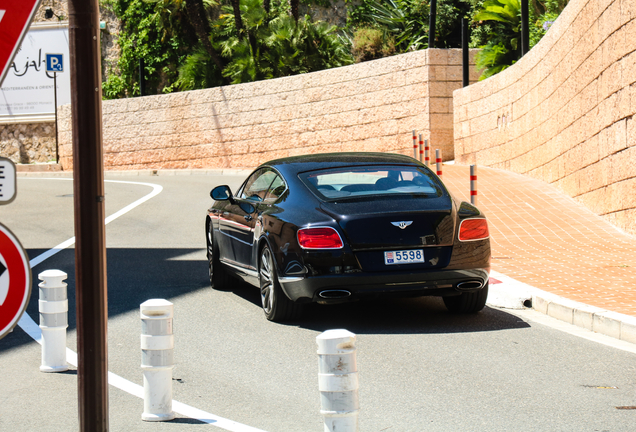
(237, 18)
(198, 19)
(294, 9)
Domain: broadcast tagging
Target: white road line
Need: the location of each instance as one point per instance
(29, 326)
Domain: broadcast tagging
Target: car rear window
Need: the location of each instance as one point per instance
(353, 182)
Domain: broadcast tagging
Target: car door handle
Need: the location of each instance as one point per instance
(248, 217)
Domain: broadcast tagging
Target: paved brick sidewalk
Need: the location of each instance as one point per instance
(544, 238)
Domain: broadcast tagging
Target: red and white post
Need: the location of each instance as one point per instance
(421, 149)
(473, 185)
(438, 161)
(427, 159)
(414, 145)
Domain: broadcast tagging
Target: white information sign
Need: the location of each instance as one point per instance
(7, 181)
(27, 94)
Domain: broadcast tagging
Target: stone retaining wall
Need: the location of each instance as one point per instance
(371, 106)
(28, 143)
(565, 112)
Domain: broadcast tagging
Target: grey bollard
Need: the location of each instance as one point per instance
(157, 359)
(53, 306)
(338, 380)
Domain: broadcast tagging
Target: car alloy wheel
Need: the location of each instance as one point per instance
(267, 282)
(219, 277)
(276, 305)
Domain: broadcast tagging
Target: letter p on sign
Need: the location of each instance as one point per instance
(54, 62)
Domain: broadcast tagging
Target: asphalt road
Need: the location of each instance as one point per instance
(420, 368)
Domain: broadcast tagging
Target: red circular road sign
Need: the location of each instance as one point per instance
(15, 280)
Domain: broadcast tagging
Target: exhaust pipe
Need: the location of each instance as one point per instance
(470, 285)
(334, 294)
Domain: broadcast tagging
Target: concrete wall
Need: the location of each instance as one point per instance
(370, 106)
(565, 112)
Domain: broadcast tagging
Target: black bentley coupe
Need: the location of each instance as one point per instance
(329, 228)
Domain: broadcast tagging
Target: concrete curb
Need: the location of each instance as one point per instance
(508, 293)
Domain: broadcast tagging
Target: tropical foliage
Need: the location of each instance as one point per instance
(193, 44)
(499, 22)
(243, 42)
(403, 25)
(158, 35)
(503, 47)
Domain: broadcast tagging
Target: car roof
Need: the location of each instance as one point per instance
(297, 164)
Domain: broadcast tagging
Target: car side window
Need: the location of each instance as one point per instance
(257, 185)
(277, 188)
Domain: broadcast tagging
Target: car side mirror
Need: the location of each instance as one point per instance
(221, 193)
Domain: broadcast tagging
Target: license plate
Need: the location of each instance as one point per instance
(404, 257)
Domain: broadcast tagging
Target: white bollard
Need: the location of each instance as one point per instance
(438, 161)
(53, 306)
(338, 380)
(421, 149)
(157, 359)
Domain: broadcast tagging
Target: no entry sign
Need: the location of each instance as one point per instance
(15, 280)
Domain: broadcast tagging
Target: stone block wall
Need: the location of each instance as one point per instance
(371, 106)
(28, 143)
(565, 112)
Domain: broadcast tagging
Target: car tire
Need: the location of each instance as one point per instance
(468, 302)
(219, 277)
(276, 305)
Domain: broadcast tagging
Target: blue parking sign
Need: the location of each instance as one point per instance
(55, 62)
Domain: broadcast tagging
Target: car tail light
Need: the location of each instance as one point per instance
(473, 229)
(319, 238)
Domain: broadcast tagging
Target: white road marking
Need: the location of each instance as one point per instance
(29, 326)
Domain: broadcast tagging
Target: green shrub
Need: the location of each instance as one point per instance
(371, 43)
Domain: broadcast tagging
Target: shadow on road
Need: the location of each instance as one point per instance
(136, 275)
(419, 315)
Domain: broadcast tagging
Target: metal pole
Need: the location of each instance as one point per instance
(432, 19)
(465, 52)
(57, 142)
(525, 29)
(421, 149)
(88, 188)
(142, 81)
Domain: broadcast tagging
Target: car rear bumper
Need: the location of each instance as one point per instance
(343, 287)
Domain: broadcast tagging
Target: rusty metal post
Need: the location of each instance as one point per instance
(88, 187)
